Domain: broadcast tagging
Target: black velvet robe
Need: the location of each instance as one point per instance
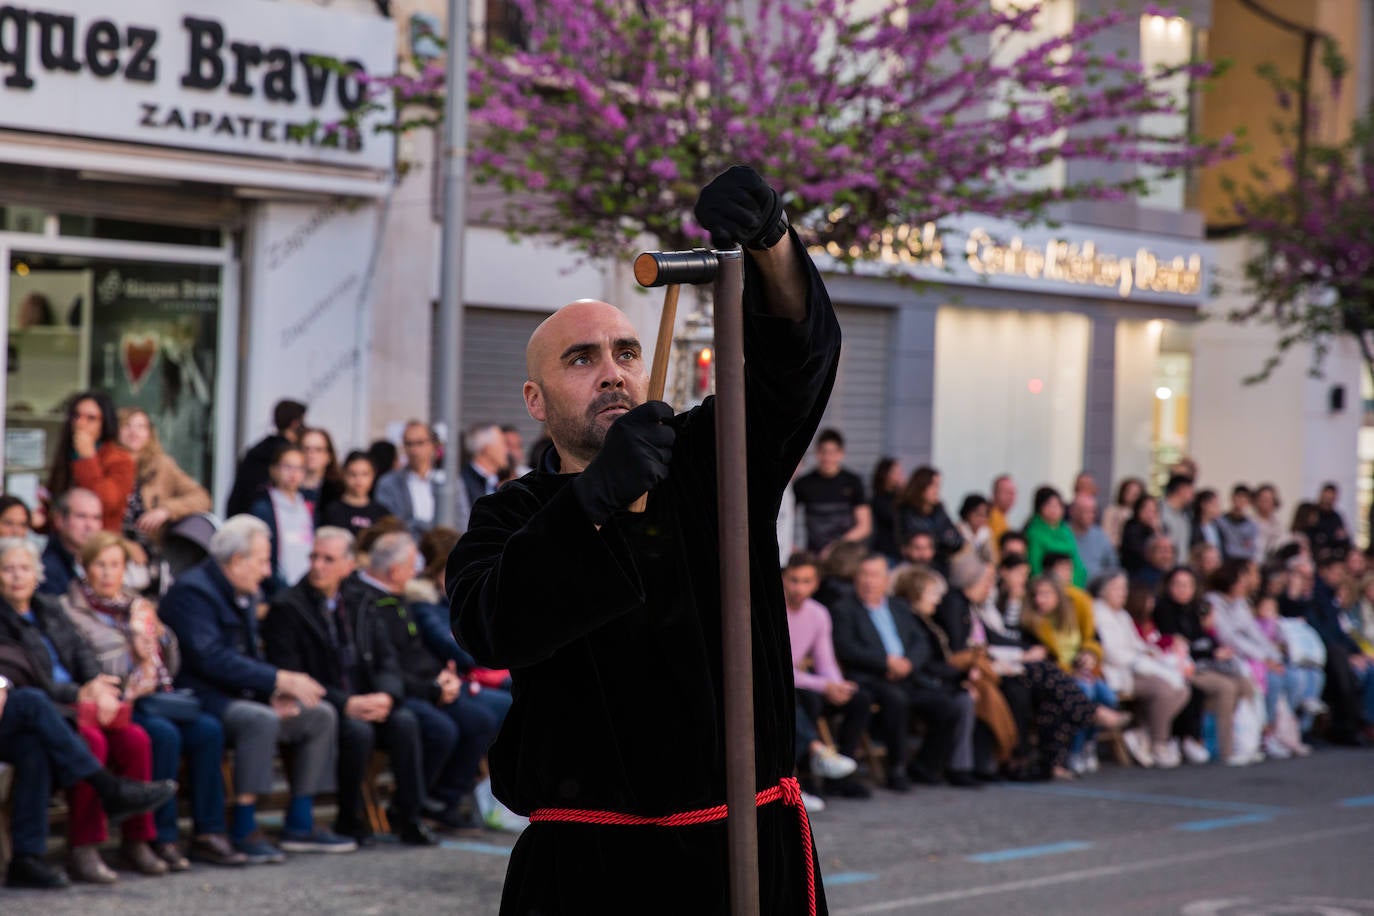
(613, 638)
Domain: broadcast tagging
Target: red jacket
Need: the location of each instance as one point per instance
(109, 474)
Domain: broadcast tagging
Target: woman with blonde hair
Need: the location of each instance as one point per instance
(163, 494)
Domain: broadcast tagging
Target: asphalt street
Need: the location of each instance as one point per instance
(1284, 837)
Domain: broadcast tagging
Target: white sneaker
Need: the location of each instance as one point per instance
(1138, 746)
(1275, 748)
(814, 804)
(1166, 755)
(1090, 758)
(1077, 763)
(1240, 760)
(1194, 752)
(831, 764)
(1313, 706)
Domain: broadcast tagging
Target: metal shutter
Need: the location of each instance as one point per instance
(494, 368)
(859, 404)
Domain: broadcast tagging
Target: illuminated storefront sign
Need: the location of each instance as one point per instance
(1084, 261)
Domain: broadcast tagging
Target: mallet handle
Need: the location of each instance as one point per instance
(663, 348)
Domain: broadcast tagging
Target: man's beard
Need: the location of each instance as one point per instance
(583, 435)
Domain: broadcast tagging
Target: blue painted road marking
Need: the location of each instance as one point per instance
(1221, 823)
(847, 877)
(1029, 852)
(490, 849)
(1141, 798)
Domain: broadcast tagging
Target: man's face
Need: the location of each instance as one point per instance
(798, 584)
(1082, 512)
(1182, 496)
(586, 370)
(330, 564)
(496, 453)
(419, 447)
(1240, 503)
(401, 572)
(919, 549)
(515, 446)
(1004, 494)
(247, 570)
(871, 583)
(82, 520)
(829, 457)
(1161, 553)
(1327, 499)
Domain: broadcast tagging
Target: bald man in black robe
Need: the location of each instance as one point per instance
(610, 620)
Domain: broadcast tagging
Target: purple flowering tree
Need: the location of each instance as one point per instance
(1310, 273)
(872, 116)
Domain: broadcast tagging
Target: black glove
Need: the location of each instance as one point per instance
(633, 459)
(738, 207)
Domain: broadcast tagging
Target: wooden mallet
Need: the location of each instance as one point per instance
(670, 269)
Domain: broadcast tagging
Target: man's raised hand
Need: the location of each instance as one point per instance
(635, 457)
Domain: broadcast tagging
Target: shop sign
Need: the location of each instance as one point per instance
(1080, 260)
(243, 78)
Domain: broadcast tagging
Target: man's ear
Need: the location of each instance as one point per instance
(534, 401)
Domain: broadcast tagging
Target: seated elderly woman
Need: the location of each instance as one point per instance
(130, 644)
(64, 667)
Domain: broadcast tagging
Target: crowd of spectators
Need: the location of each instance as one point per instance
(929, 648)
(127, 659)
(980, 647)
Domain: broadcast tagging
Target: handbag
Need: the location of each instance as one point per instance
(176, 705)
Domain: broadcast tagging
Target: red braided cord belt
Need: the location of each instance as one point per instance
(787, 791)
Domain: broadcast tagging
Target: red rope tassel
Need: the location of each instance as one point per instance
(787, 791)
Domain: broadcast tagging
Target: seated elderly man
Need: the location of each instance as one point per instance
(456, 729)
(342, 643)
(212, 610)
(75, 517)
(883, 649)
